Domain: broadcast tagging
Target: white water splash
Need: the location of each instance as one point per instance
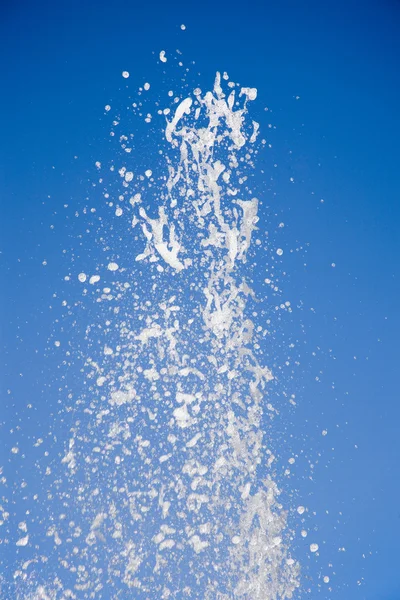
(167, 456)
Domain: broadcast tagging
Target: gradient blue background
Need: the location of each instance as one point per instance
(62, 62)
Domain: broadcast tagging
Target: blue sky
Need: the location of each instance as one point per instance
(62, 63)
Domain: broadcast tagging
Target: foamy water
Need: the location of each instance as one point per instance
(168, 490)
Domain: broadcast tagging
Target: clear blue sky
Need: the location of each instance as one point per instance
(62, 62)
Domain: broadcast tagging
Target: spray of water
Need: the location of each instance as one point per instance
(169, 493)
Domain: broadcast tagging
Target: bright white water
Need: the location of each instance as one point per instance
(169, 492)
